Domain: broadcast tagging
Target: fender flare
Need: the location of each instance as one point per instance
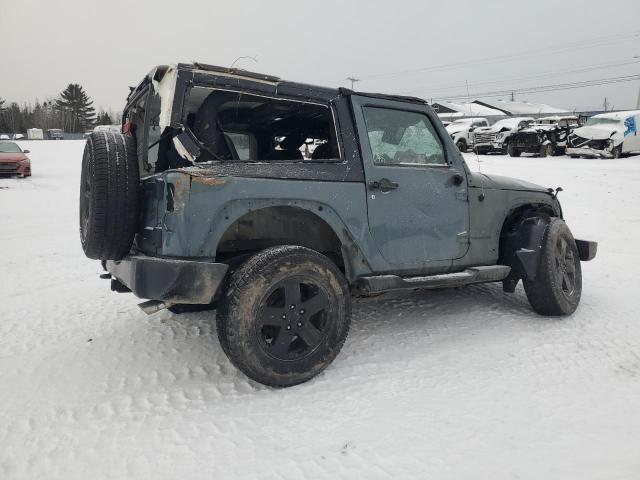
(355, 261)
(522, 250)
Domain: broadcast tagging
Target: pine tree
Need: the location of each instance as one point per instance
(77, 108)
(104, 118)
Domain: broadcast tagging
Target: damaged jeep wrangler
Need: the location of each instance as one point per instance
(274, 202)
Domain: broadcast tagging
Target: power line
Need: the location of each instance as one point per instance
(503, 80)
(550, 88)
(552, 50)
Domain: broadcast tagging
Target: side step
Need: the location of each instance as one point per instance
(387, 283)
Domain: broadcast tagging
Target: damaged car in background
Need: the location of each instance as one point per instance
(546, 137)
(274, 202)
(461, 131)
(608, 135)
(495, 139)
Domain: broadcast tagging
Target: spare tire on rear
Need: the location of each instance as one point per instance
(108, 195)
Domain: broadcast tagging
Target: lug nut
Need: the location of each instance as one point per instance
(288, 327)
(302, 311)
(284, 316)
(299, 324)
(292, 307)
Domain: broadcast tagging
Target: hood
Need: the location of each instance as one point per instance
(491, 129)
(12, 157)
(539, 128)
(598, 132)
(498, 182)
(451, 129)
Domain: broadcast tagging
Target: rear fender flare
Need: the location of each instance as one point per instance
(354, 259)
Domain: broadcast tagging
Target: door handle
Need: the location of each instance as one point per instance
(458, 179)
(384, 185)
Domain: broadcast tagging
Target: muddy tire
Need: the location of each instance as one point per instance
(557, 287)
(108, 195)
(513, 151)
(285, 315)
(462, 145)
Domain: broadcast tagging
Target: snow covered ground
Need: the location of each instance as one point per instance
(462, 384)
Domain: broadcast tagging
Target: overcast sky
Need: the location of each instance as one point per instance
(107, 46)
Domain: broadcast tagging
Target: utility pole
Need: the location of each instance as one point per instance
(513, 96)
(638, 103)
(605, 104)
(353, 80)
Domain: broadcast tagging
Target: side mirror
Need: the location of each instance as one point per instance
(26, 151)
(472, 129)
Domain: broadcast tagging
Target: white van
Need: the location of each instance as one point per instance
(608, 135)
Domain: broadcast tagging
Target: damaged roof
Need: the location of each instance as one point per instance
(225, 77)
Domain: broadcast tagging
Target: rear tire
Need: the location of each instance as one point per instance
(462, 145)
(108, 195)
(557, 287)
(285, 315)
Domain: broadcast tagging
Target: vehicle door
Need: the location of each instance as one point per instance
(631, 138)
(416, 188)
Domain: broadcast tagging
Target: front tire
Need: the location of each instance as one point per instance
(285, 316)
(617, 152)
(513, 151)
(557, 287)
(462, 145)
(547, 150)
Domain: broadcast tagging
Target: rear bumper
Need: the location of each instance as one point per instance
(586, 249)
(169, 280)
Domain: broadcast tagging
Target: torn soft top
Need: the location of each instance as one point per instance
(238, 78)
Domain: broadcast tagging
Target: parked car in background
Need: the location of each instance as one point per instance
(608, 135)
(14, 160)
(18, 136)
(35, 134)
(4, 136)
(55, 134)
(496, 137)
(546, 137)
(461, 131)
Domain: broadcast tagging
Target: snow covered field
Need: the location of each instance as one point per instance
(462, 384)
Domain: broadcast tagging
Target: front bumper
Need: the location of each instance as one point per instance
(169, 280)
(490, 146)
(589, 152)
(586, 249)
(15, 168)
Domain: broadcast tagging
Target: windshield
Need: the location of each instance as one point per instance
(9, 147)
(603, 121)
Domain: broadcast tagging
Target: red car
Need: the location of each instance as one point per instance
(13, 160)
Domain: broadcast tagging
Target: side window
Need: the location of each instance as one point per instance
(402, 138)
